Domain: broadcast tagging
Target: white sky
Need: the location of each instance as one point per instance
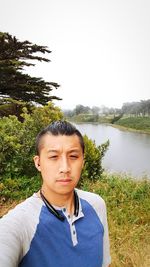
(100, 48)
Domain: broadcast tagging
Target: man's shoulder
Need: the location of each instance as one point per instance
(96, 202)
(93, 198)
(28, 207)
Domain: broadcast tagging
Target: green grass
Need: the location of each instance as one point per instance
(128, 207)
(137, 123)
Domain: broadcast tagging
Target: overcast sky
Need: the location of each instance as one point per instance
(100, 48)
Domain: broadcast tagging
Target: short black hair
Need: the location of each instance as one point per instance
(59, 127)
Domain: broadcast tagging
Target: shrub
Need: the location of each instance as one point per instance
(138, 123)
(93, 159)
(18, 188)
(18, 140)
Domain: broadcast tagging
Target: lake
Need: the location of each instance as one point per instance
(128, 152)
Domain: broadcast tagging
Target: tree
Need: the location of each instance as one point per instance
(95, 110)
(11, 106)
(14, 56)
(141, 108)
(18, 139)
(80, 109)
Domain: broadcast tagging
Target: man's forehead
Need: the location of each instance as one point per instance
(54, 142)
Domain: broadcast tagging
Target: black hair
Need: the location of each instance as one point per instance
(59, 127)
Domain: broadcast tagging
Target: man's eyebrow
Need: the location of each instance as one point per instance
(52, 151)
(69, 151)
(74, 150)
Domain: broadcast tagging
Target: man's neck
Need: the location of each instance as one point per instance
(60, 200)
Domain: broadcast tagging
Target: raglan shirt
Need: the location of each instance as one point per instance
(31, 236)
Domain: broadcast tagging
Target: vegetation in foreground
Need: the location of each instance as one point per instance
(128, 213)
(128, 216)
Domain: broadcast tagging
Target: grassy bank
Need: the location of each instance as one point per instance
(141, 124)
(89, 118)
(128, 214)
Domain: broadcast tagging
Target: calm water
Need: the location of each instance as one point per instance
(128, 152)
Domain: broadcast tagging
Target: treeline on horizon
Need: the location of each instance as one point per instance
(141, 108)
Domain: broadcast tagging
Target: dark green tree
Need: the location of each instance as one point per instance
(14, 57)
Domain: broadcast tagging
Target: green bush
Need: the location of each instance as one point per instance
(137, 123)
(18, 140)
(93, 159)
(19, 188)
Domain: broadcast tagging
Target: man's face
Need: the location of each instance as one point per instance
(60, 163)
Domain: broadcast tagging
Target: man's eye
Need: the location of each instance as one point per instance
(73, 156)
(53, 157)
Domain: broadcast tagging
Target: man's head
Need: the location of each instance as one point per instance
(58, 128)
(60, 157)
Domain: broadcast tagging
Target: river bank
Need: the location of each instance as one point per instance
(128, 210)
(132, 124)
(127, 129)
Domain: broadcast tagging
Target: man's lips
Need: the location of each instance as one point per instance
(66, 180)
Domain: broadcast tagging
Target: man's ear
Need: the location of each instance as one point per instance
(37, 162)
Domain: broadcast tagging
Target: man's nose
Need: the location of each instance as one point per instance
(64, 165)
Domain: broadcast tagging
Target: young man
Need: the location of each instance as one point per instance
(60, 226)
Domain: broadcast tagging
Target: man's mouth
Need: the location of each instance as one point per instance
(64, 180)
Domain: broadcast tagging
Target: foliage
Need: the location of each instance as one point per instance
(9, 106)
(18, 188)
(14, 57)
(128, 211)
(85, 118)
(18, 139)
(94, 111)
(137, 108)
(116, 118)
(93, 159)
(137, 123)
(80, 109)
(89, 118)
